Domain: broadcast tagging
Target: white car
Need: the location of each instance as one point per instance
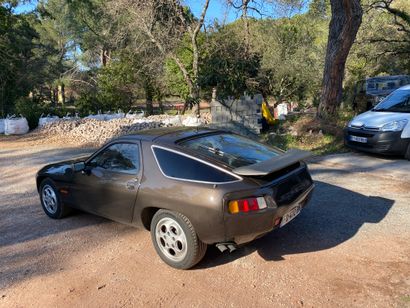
(385, 129)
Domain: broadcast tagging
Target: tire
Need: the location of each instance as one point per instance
(407, 153)
(51, 200)
(175, 240)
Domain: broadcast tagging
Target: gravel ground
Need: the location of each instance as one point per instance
(349, 247)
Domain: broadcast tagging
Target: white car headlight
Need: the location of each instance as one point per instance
(395, 126)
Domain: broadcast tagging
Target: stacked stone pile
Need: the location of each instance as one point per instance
(95, 132)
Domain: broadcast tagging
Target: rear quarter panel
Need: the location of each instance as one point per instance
(201, 203)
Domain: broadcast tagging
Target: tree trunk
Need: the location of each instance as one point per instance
(345, 22)
(149, 94)
(196, 101)
(55, 96)
(160, 106)
(61, 94)
(245, 18)
(105, 55)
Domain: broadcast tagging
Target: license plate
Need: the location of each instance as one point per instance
(358, 139)
(290, 215)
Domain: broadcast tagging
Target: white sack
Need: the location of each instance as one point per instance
(2, 126)
(16, 126)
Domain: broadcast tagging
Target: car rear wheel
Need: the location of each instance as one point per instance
(51, 200)
(407, 154)
(175, 240)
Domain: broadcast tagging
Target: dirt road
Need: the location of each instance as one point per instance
(350, 247)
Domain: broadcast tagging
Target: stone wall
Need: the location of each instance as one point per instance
(246, 111)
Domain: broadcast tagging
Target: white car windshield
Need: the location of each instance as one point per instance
(398, 101)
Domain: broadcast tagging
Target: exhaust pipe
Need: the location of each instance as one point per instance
(231, 247)
(225, 246)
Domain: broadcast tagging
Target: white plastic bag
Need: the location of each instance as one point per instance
(16, 126)
(192, 121)
(173, 120)
(2, 126)
(110, 116)
(99, 116)
(48, 119)
(134, 115)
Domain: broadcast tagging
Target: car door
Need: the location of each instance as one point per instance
(109, 184)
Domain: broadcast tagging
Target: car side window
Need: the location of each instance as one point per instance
(119, 157)
(182, 167)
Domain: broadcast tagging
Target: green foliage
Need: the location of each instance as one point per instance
(382, 48)
(228, 66)
(292, 57)
(174, 80)
(106, 62)
(29, 109)
(28, 61)
(115, 85)
(87, 103)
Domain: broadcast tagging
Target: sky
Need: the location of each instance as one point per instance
(217, 10)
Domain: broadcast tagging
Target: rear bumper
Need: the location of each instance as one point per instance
(246, 227)
(377, 142)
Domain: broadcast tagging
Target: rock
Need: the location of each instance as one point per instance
(93, 131)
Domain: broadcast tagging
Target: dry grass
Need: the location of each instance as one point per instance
(309, 133)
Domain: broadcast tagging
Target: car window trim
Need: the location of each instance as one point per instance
(197, 159)
(138, 143)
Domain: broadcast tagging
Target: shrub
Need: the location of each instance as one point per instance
(30, 110)
(87, 104)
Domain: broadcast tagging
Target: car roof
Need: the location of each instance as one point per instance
(406, 87)
(168, 135)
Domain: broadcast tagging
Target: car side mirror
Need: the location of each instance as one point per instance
(80, 166)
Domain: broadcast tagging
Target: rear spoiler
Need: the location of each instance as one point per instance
(269, 166)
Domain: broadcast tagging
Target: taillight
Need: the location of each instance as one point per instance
(247, 205)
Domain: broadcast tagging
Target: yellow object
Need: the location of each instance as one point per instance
(233, 207)
(267, 114)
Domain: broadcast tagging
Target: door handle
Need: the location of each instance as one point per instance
(132, 184)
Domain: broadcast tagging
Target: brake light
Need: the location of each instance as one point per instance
(247, 205)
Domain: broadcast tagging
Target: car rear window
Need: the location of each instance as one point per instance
(232, 150)
(182, 167)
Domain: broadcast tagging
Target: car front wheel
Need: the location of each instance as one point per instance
(51, 200)
(175, 240)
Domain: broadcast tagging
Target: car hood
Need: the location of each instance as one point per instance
(61, 167)
(376, 119)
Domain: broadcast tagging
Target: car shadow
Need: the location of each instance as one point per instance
(32, 244)
(27, 222)
(333, 216)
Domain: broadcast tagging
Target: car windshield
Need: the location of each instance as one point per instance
(398, 101)
(232, 150)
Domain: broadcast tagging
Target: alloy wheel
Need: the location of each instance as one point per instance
(171, 239)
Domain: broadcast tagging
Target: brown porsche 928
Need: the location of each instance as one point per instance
(190, 187)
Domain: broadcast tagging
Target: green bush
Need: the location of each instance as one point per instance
(87, 104)
(30, 110)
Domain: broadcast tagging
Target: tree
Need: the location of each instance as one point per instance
(291, 52)
(165, 23)
(394, 39)
(227, 64)
(26, 61)
(344, 25)
(90, 28)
